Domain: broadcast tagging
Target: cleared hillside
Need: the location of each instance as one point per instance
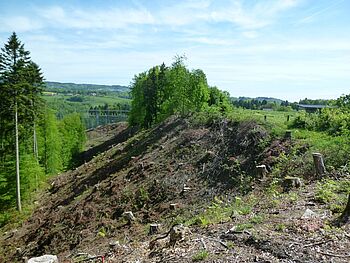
(200, 175)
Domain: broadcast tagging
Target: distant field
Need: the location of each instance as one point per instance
(276, 120)
(88, 100)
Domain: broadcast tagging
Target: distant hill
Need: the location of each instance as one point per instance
(268, 99)
(64, 87)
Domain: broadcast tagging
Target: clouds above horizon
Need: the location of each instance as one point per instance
(253, 48)
(180, 14)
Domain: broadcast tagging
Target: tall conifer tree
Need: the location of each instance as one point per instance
(20, 85)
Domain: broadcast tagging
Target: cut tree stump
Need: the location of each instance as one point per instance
(319, 164)
(44, 259)
(185, 189)
(129, 216)
(288, 135)
(291, 182)
(173, 206)
(346, 213)
(261, 171)
(154, 229)
(177, 233)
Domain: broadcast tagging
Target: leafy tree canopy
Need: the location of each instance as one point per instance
(162, 91)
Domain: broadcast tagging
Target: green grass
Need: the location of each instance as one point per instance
(243, 226)
(329, 190)
(257, 219)
(220, 211)
(201, 255)
(276, 121)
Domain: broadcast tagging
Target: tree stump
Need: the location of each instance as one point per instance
(261, 171)
(185, 189)
(44, 259)
(129, 216)
(114, 244)
(346, 213)
(153, 229)
(173, 206)
(319, 165)
(288, 135)
(291, 182)
(177, 233)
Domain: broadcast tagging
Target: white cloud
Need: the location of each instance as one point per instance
(314, 14)
(95, 19)
(178, 15)
(18, 24)
(210, 41)
(250, 34)
(258, 16)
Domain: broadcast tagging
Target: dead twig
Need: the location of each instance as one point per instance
(347, 235)
(203, 243)
(223, 244)
(332, 255)
(317, 243)
(219, 241)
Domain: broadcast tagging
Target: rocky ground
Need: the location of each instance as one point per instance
(196, 186)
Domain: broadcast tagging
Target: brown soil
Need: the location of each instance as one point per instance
(144, 172)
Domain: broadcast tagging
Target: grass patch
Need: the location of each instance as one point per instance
(257, 219)
(280, 227)
(244, 226)
(201, 255)
(220, 211)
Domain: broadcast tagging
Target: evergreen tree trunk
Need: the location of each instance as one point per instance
(36, 154)
(45, 144)
(18, 184)
(35, 143)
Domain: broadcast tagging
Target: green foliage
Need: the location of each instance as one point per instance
(102, 232)
(32, 175)
(220, 211)
(76, 99)
(219, 100)
(142, 197)
(89, 108)
(336, 149)
(307, 101)
(201, 255)
(256, 219)
(329, 190)
(73, 136)
(280, 227)
(50, 143)
(333, 120)
(58, 144)
(163, 91)
(244, 226)
(262, 103)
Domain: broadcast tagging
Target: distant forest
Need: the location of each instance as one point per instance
(87, 89)
(260, 103)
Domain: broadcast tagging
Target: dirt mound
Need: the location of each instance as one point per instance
(172, 170)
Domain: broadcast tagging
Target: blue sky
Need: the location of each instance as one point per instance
(290, 49)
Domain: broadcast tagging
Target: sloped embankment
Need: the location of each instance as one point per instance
(144, 173)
